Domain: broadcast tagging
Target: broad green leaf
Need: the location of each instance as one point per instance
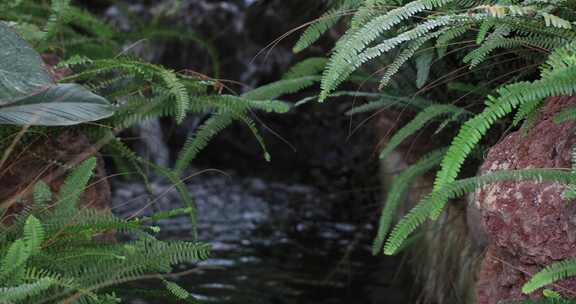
(60, 105)
(22, 71)
(29, 96)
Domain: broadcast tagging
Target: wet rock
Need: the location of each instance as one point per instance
(529, 225)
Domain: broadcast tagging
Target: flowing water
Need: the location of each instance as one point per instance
(272, 243)
(296, 230)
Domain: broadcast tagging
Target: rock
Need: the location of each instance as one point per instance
(529, 225)
(48, 159)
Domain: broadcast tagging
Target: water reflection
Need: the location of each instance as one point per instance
(272, 243)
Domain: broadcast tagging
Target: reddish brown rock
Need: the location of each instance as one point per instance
(529, 224)
(49, 159)
(51, 60)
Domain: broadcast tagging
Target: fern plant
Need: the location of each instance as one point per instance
(404, 40)
(53, 241)
(138, 90)
(50, 253)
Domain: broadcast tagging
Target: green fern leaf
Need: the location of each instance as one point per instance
(176, 290)
(345, 57)
(322, 25)
(74, 185)
(397, 190)
(416, 124)
(193, 145)
(423, 64)
(527, 110)
(389, 101)
(24, 291)
(510, 97)
(407, 53)
(15, 259)
(308, 67)
(33, 234)
(552, 273)
(41, 194)
(432, 205)
(281, 87)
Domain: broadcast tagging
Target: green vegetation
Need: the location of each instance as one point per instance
(51, 254)
(419, 41)
(52, 250)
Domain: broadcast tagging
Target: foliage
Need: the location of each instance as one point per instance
(53, 256)
(138, 90)
(51, 253)
(528, 47)
(29, 96)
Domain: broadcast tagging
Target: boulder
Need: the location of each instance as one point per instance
(528, 224)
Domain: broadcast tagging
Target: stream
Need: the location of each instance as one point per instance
(296, 230)
(272, 243)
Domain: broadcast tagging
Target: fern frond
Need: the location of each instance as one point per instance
(509, 98)
(176, 290)
(308, 67)
(323, 24)
(281, 87)
(432, 205)
(184, 194)
(527, 110)
(33, 234)
(91, 23)
(41, 194)
(166, 214)
(252, 127)
(423, 65)
(389, 101)
(398, 188)
(447, 36)
(407, 53)
(480, 54)
(60, 13)
(485, 27)
(345, 53)
(371, 9)
(74, 185)
(175, 87)
(13, 261)
(338, 69)
(552, 273)
(24, 291)
(417, 123)
(194, 144)
(241, 105)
